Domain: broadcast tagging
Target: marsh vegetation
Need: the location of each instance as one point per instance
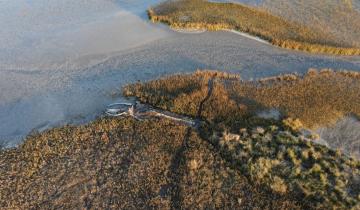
(234, 160)
(315, 100)
(341, 18)
(272, 153)
(318, 98)
(126, 164)
(201, 14)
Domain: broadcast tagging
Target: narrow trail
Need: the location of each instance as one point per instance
(210, 90)
(178, 163)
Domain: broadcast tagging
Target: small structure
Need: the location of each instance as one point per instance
(141, 111)
(131, 111)
(120, 109)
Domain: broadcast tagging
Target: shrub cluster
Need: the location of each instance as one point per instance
(287, 164)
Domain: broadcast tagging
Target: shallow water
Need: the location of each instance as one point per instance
(47, 33)
(67, 67)
(343, 135)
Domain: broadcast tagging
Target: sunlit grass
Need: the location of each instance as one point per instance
(200, 14)
(287, 164)
(231, 160)
(318, 98)
(125, 164)
(273, 153)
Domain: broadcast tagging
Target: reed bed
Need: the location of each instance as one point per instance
(201, 14)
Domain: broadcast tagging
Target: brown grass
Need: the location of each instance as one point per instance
(340, 18)
(214, 179)
(316, 99)
(125, 164)
(103, 165)
(179, 93)
(200, 14)
(272, 154)
(276, 160)
(159, 164)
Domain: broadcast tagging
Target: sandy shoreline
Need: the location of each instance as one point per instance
(199, 31)
(258, 39)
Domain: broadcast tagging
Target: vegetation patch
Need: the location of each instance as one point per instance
(273, 153)
(233, 160)
(108, 164)
(180, 94)
(316, 99)
(201, 14)
(341, 18)
(126, 164)
(286, 164)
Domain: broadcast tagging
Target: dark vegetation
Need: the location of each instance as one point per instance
(201, 14)
(234, 160)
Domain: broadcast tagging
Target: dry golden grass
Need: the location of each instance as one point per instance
(316, 99)
(126, 164)
(286, 164)
(272, 153)
(103, 165)
(179, 93)
(207, 176)
(340, 18)
(200, 14)
(159, 164)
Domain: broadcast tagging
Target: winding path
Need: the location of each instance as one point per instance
(178, 163)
